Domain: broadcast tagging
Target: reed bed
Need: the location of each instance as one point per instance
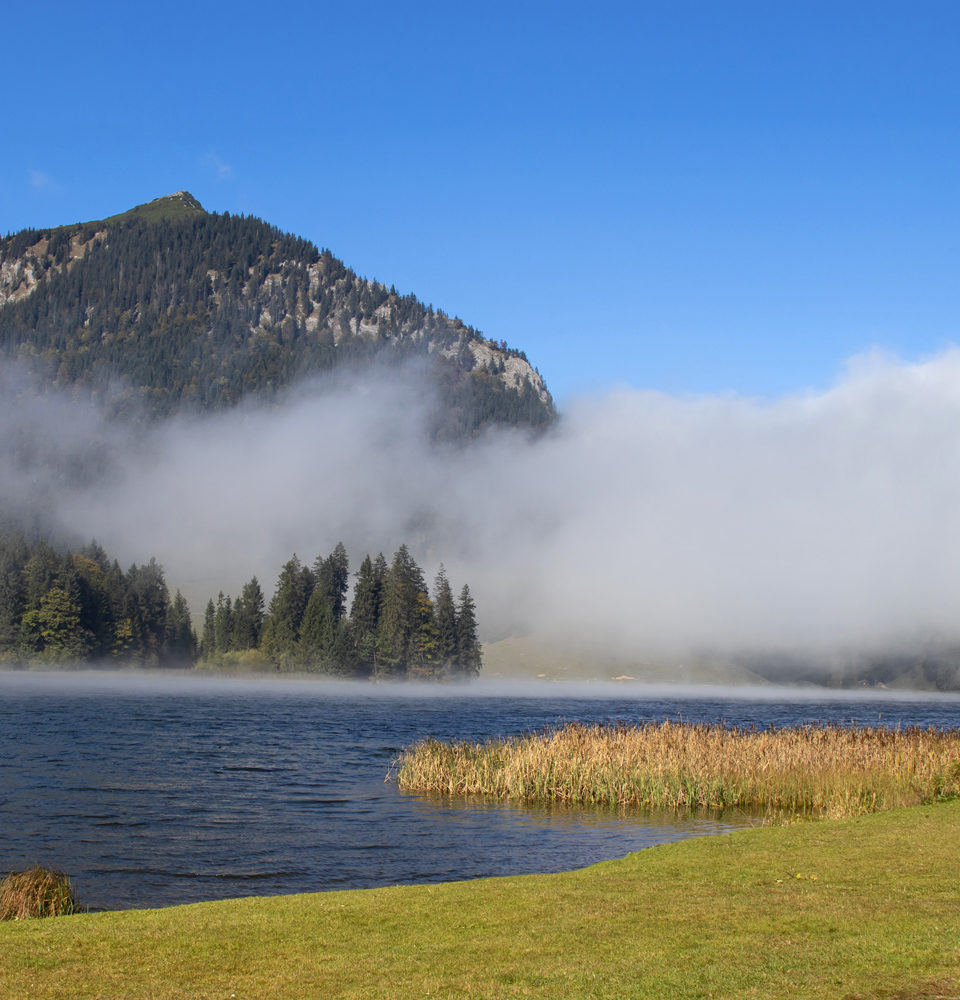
(37, 892)
(778, 774)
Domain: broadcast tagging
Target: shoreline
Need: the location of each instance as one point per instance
(823, 909)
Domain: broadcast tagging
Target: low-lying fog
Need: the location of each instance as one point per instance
(644, 525)
(197, 684)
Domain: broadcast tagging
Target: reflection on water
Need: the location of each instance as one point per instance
(155, 791)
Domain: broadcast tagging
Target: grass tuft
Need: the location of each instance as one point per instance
(780, 774)
(37, 892)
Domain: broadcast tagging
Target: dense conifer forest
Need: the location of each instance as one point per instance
(185, 309)
(393, 628)
(60, 607)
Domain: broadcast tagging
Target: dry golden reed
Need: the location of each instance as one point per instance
(780, 774)
(37, 892)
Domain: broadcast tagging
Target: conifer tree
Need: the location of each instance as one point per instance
(332, 576)
(316, 642)
(223, 624)
(423, 641)
(181, 647)
(294, 587)
(13, 555)
(402, 584)
(365, 610)
(248, 615)
(445, 611)
(146, 605)
(208, 639)
(469, 658)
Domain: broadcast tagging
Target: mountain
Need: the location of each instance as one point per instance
(173, 307)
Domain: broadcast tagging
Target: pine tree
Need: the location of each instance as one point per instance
(289, 603)
(223, 624)
(398, 617)
(365, 610)
(316, 643)
(208, 640)
(181, 646)
(96, 613)
(445, 611)
(248, 616)
(469, 659)
(147, 599)
(13, 555)
(423, 641)
(332, 576)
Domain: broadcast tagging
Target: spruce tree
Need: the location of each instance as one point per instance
(294, 587)
(365, 610)
(398, 615)
(208, 639)
(181, 645)
(468, 646)
(223, 624)
(248, 616)
(423, 644)
(332, 576)
(315, 646)
(445, 612)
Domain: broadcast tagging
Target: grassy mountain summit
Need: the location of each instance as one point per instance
(186, 308)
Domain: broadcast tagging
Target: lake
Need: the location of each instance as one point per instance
(152, 790)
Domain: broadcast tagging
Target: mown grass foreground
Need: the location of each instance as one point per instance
(779, 774)
(857, 908)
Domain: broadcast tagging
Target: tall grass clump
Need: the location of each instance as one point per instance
(37, 892)
(807, 772)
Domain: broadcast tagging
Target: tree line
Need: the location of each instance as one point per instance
(393, 627)
(62, 606)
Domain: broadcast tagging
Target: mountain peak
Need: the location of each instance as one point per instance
(185, 197)
(169, 207)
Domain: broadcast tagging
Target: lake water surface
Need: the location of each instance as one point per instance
(152, 790)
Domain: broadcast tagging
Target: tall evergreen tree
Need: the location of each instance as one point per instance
(248, 615)
(398, 616)
(223, 624)
(147, 601)
(208, 639)
(332, 576)
(445, 611)
(424, 649)
(365, 610)
(96, 611)
(289, 603)
(469, 659)
(13, 556)
(181, 647)
(316, 642)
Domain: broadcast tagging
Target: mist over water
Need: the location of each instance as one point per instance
(643, 525)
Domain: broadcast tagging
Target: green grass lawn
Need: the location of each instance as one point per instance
(857, 908)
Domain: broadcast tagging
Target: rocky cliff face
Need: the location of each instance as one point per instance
(21, 274)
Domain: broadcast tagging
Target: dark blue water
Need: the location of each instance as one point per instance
(151, 791)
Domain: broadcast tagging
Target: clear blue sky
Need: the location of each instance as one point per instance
(693, 197)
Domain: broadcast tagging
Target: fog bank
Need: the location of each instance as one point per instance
(645, 525)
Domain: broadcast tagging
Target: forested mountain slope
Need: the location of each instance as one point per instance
(181, 308)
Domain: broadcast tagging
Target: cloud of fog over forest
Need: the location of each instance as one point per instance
(646, 523)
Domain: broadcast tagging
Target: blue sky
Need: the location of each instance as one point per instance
(698, 198)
